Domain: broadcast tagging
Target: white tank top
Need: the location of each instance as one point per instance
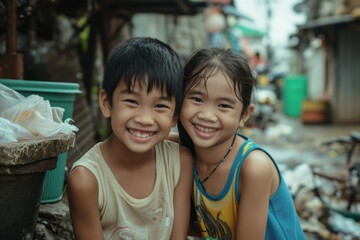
(125, 217)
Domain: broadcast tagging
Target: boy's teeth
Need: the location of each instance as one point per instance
(140, 134)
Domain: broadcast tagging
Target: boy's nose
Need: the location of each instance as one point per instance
(144, 118)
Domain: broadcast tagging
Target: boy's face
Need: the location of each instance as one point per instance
(211, 112)
(139, 119)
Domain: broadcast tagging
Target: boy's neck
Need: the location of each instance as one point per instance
(119, 154)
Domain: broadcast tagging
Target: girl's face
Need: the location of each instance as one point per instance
(211, 111)
(139, 120)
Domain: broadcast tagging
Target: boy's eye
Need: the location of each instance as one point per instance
(161, 106)
(132, 101)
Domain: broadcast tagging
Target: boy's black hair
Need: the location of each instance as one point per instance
(148, 61)
(206, 62)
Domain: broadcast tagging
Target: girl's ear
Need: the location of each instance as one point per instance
(246, 116)
(104, 104)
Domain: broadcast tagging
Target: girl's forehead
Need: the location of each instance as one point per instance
(216, 78)
(215, 84)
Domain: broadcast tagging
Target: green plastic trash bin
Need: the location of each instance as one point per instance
(294, 92)
(59, 94)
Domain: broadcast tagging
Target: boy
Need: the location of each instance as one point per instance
(135, 185)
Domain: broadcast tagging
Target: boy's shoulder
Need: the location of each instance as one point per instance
(95, 149)
(91, 155)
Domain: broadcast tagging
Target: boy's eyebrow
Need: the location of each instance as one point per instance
(130, 91)
(165, 97)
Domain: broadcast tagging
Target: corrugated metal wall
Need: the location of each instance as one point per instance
(346, 87)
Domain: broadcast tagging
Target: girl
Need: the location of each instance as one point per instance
(239, 192)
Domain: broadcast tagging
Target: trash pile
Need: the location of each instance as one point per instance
(316, 217)
(320, 202)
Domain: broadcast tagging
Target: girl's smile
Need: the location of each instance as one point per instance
(211, 111)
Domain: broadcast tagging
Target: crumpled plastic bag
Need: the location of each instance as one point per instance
(24, 118)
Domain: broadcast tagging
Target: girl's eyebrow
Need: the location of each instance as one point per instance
(195, 91)
(230, 100)
(199, 92)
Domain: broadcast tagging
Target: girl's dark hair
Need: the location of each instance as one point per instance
(148, 61)
(204, 63)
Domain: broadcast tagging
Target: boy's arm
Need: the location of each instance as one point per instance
(182, 196)
(82, 189)
(256, 181)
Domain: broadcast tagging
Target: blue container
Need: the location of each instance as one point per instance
(294, 93)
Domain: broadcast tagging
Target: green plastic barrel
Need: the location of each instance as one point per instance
(59, 94)
(294, 92)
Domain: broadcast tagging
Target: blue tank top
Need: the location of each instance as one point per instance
(217, 215)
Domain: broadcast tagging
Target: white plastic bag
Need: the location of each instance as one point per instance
(12, 132)
(32, 113)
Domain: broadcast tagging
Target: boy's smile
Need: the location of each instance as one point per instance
(140, 119)
(141, 134)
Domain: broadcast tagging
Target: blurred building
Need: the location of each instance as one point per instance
(329, 53)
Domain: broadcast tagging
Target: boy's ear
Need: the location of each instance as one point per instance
(247, 114)
(175, 120)
(104, 104)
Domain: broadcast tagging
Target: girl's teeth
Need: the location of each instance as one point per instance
(207, 130)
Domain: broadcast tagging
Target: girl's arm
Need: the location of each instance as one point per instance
(255, 189)
(82, 189)
(182, 197)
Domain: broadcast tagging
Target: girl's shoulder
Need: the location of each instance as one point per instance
(250, 149)
(259, 168)
(257, 164)
(255, 161)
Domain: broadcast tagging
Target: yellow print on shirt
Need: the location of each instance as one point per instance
(215, 228)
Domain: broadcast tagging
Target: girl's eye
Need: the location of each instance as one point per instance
(196, 99)
(224, 106)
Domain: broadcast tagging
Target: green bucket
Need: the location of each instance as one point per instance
(59, 94)
(294, 92)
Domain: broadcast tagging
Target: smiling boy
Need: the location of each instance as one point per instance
(135, 184)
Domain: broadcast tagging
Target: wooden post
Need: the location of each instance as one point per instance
(11, 64)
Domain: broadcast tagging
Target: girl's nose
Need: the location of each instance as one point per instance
(207, 114)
